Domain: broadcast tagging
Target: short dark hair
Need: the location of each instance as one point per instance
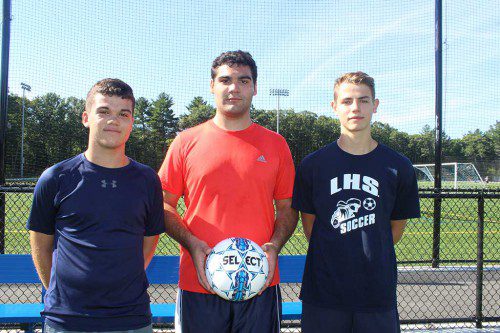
(238, 58)
(110, 87)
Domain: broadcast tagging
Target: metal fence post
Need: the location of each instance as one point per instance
(480, 258)
(436, 234)
(4, 96)
(438, 130)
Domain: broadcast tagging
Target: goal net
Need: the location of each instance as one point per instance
(452, 174)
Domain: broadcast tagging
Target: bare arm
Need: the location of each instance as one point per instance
(175, 228)
(148, 248)
(42, 246)
(397, 227)
(307, 224)
(284, 226)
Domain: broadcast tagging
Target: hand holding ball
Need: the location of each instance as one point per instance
(237, 269)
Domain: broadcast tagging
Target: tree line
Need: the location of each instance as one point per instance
(53, 132)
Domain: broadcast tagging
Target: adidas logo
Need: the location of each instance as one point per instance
(262, 159)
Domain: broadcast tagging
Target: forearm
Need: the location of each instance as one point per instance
(285, 224)
(396, 236)
(397, 228)
(41, 250)
(175, 228)
(307, 224)
(148, 248)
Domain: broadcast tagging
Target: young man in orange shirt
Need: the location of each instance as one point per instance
(230, 172)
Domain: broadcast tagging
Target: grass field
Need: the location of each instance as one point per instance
(467, 185)
(458, 231)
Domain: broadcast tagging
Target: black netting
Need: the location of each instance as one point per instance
(300, 46)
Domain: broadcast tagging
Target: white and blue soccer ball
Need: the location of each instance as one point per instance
(237, 269)
(369, 204)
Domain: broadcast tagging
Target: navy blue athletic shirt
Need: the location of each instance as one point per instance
(351, 263)
(99, 217)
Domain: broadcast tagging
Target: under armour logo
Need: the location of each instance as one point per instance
(104, 184)
(262, 159)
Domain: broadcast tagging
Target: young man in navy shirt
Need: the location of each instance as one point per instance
(94, 225)
(355, 196)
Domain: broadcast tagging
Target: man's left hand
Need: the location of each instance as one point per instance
(272, 252)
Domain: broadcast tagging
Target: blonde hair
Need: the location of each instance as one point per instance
(356, 78)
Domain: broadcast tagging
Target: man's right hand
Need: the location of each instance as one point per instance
(199, 251)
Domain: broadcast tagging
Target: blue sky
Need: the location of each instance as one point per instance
(168, 46)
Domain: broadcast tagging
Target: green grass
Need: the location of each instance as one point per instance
(17, 208)
(461, 185)
(458, 231)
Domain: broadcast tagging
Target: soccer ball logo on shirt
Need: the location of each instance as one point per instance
(236, 269)
(345, 218)
(345, 215)
(369, 204)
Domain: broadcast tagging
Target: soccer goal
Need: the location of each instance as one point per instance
(455, 174)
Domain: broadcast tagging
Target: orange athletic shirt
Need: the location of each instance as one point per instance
(229, 180)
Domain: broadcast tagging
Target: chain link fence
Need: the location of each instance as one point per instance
(449, 261)
(461, 284)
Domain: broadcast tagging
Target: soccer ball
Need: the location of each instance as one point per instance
(237, 269)
(369, 204)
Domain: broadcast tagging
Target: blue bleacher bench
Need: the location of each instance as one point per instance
(19, 268)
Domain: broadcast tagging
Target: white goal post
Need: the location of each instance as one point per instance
(450, 172)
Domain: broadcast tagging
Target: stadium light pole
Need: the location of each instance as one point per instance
(278, 92)
(24, 87)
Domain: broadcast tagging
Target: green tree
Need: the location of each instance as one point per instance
(199, 111)
(421, 146)
(478, 146)
(453, 152)
(77, 137)
(265, 118)
(494, 135)
(400, 142)
(45, 133)
(297, 130)
(140, 145)
(142, 114)
(163, 124)
(326, 130)
(393, 138)
(13, 136)
(53, 132)
(382, 132)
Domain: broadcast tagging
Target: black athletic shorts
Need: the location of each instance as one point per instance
(317, 319)
(209, 313)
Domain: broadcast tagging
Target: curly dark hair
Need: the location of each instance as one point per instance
(110, 87)
(238, 58)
